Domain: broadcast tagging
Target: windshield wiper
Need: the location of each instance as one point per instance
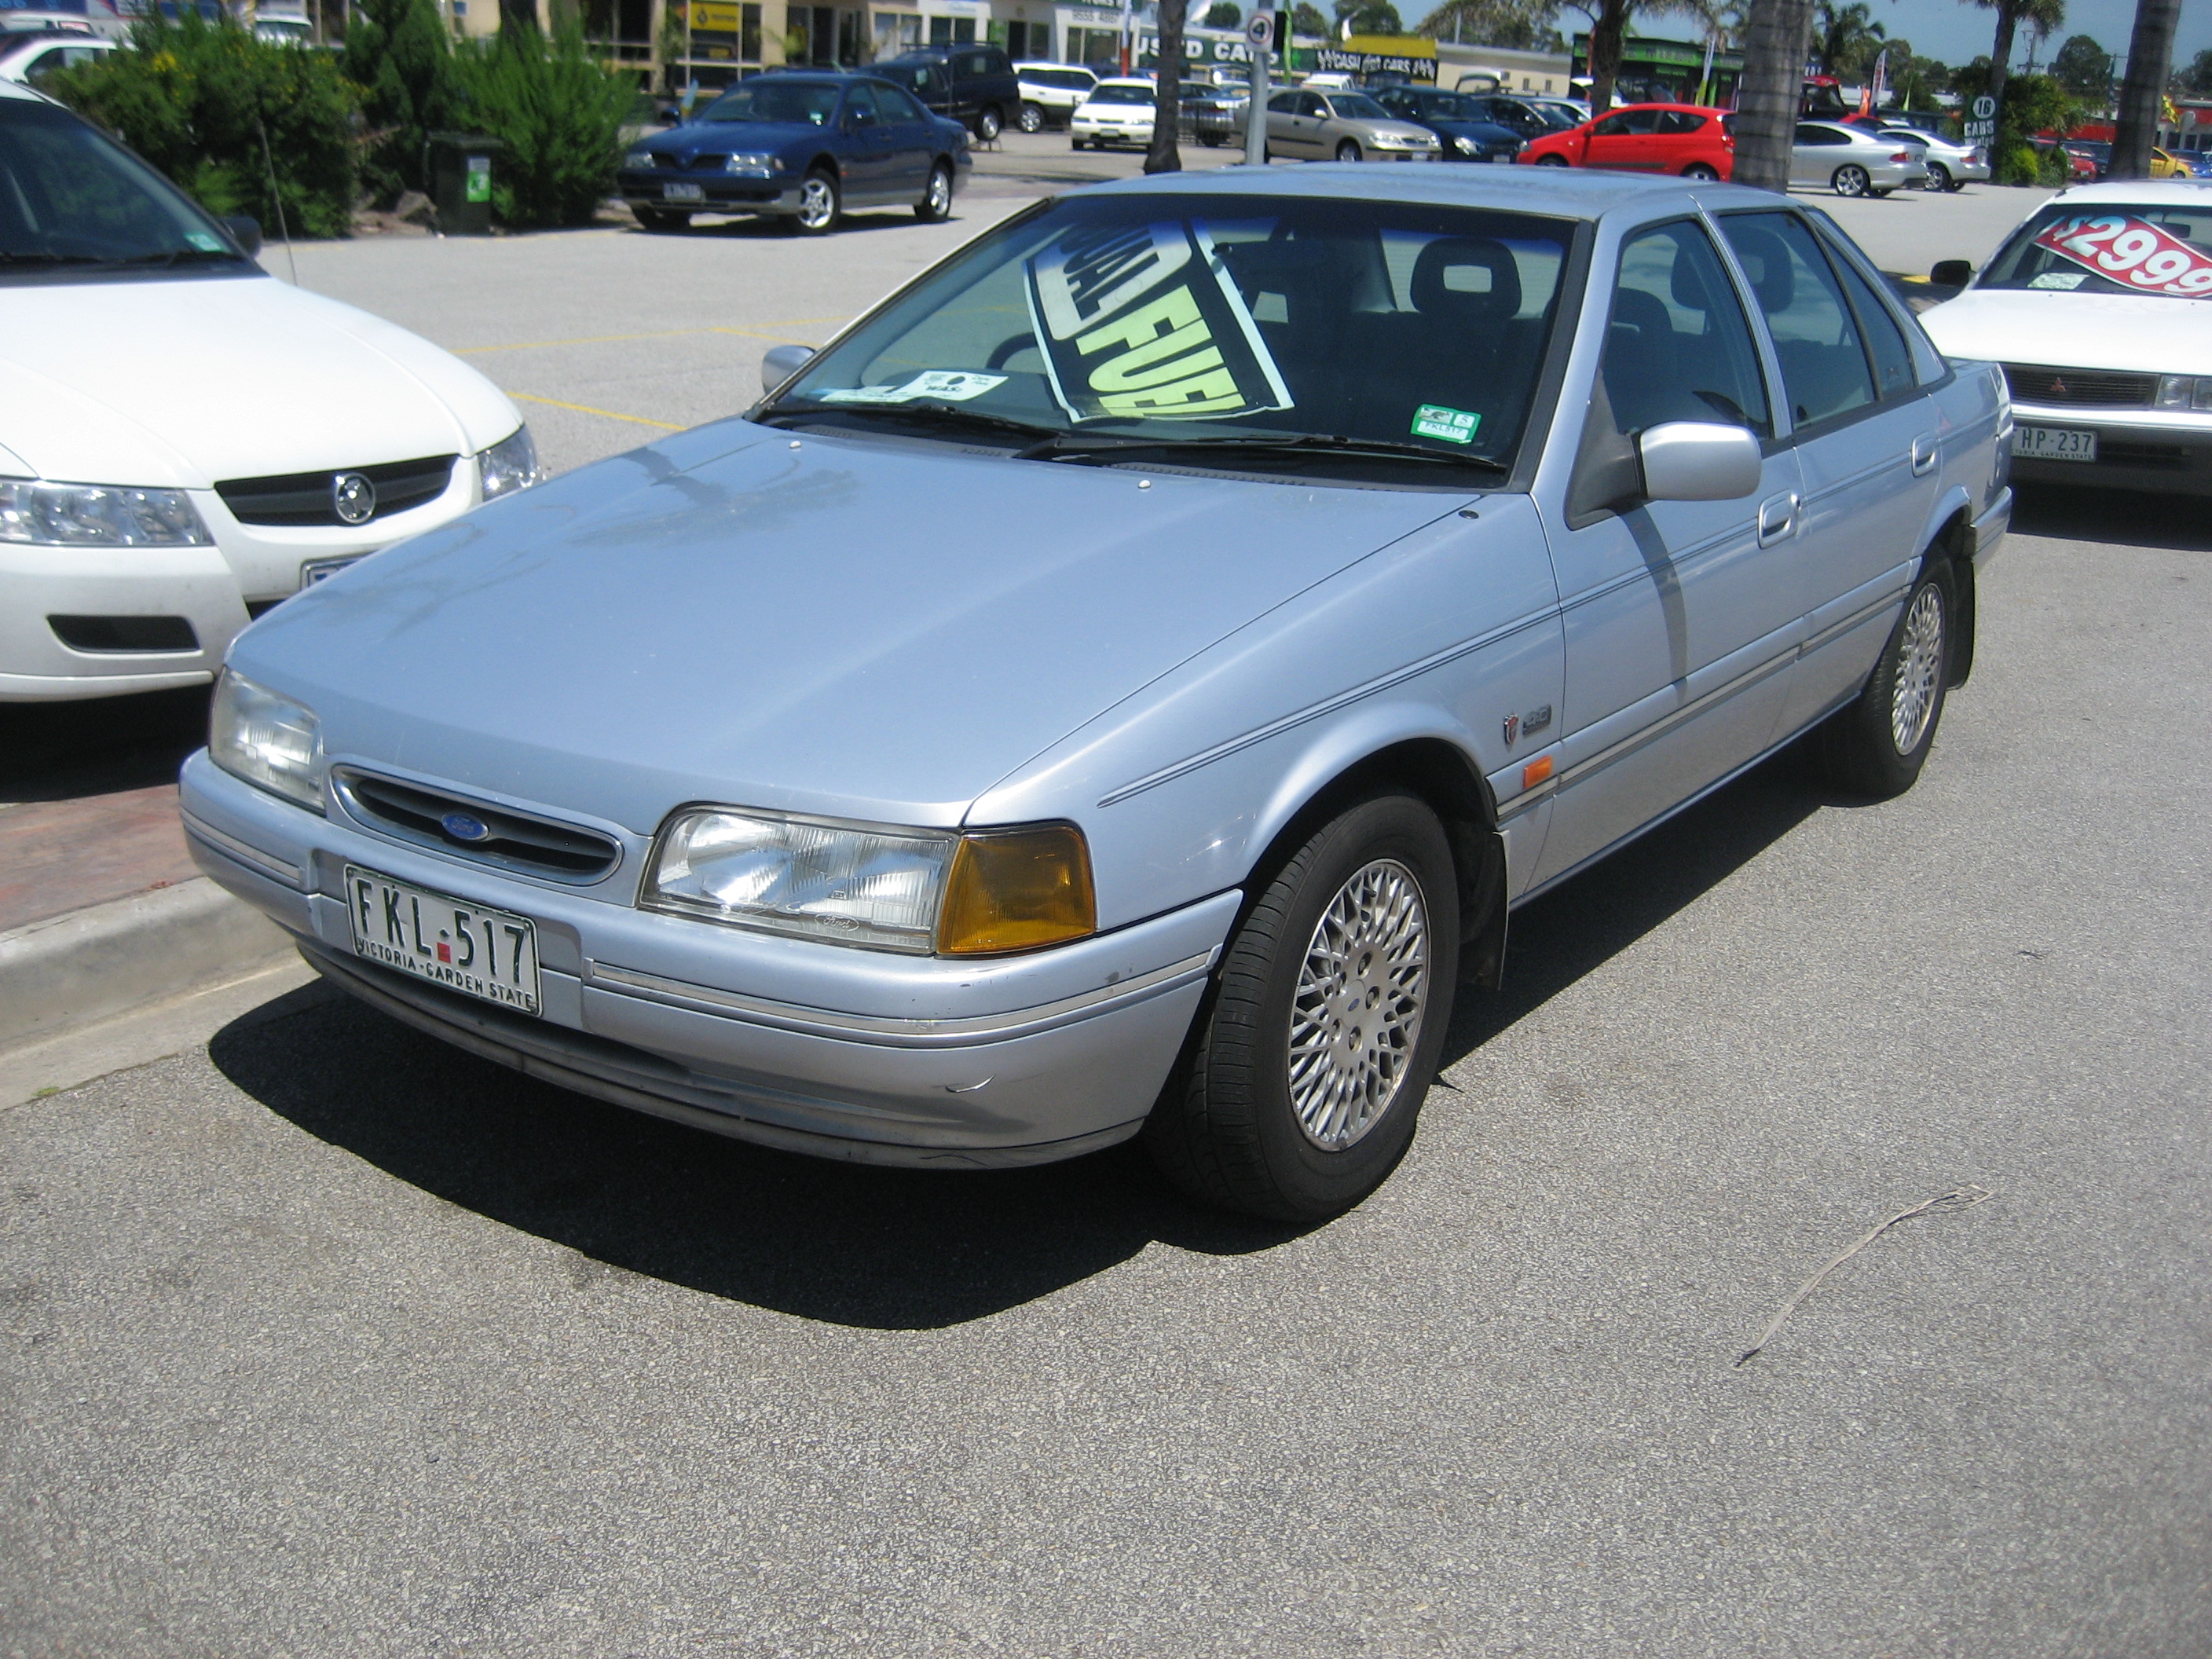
(1070, 446)
(930, 411)
(49, 259)
(175, 256)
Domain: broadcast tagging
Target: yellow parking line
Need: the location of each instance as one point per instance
(658, 334)
(586, 409)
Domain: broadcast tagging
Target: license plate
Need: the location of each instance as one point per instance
(684, 192)
(491, 955)
(2053, 443)
(321, 570)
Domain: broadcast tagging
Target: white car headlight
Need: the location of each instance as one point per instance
(980, 893)
(509, 464)
(98, 515)
(638, 158)
(272, 742)
(752, 165)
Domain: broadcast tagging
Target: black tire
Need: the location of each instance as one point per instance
(1882, 195)
(936, 202)
(812, 219)
(1227, 1128)
(1876, 746)
(988, 123)
(1698, 172)
(1348, 150)
(1551, 160)
(1031, 119)
(1939, 176)
(1851, 180)
(660, 219)
(1079, 143)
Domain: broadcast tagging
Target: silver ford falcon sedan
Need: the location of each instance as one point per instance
(1402, 543)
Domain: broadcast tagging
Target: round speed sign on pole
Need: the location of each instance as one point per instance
(1260, 30)
(1985, 108)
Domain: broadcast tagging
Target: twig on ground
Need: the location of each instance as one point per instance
(1959, 1198)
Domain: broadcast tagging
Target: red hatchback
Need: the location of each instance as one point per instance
(1687, 139)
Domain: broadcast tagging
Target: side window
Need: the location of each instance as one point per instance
(1678, 346)
(1613, 126)
(1816, 135)
(1284, 103)
(1676, 123)
(895, 106)
(1892, 358)
(1824, 365)
(861, 105)
(1311, 103)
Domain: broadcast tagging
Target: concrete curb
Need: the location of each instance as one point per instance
(71, 971)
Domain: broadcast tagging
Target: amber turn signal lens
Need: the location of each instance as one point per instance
(1016, 890)
(1536, 771)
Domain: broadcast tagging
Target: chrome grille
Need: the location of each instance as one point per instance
(2089, 388)
(306, 497)
(514, 841)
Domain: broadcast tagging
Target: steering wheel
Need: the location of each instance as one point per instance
(1009, 349)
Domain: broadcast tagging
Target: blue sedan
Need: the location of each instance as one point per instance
(1461, 123)
(807, 148)
(1401, 542)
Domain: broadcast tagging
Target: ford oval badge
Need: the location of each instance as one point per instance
(462, 827)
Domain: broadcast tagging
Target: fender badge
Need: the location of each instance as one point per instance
(1512, 729)
(1536, 719)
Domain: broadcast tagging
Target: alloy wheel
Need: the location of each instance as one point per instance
(940, 193)
(1356, 1014)
(818, 204)
(1920, 667)
(1851, 181)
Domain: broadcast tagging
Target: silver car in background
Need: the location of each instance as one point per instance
(1949, 165)
(1413, 538)
(1852, 161)
(1342, 126)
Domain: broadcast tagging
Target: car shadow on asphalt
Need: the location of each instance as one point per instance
(2180, 523)
(846, 1243)
(98, 746)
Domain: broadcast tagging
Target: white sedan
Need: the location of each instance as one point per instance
(185, 441)
(2099, 307)
(1117, 112)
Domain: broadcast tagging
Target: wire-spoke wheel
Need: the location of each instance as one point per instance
(1876, 745)
(817, 204)
(1301, 1084)
(1355, 1018)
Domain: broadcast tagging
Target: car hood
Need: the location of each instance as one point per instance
(1406, 131)
(857, 628)
(181, 382)
(2141, 333)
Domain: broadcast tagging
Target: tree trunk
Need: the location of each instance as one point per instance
(1772, 89)
(2001, 51)
(2143, 95)
(1167, 109)
(1606, 32)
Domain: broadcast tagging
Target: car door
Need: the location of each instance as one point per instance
(909, 140)
(1621, 141)
(1867, 437)
(1682, 618)
(1812, 155)
(1677, 140)
(864, 155)
(1283, 121)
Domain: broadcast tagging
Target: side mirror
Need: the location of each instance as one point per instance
(245, 231)
(1698, 461)
(779, 363)
(1951, 273)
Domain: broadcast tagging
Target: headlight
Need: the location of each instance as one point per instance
(2184, 391)
(509, 464)
(1468, 146)
(638, 158)
(753, 165)
(912, 890)
(271, 742)
(98, 515)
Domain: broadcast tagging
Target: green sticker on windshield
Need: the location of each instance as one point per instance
(1454, 426)
(205, 243)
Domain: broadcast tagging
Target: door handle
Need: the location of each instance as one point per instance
(1926, 452)
(1778, 518)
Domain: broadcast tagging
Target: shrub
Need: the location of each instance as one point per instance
(217, 110)
(560, 114)
(398, 53)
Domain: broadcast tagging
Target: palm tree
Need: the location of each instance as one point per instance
(2142, 93)
(1844, 37)
(2045, 16)
(1523, 24)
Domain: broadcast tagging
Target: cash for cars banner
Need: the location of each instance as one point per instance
(2124, 249)
(1142, 321)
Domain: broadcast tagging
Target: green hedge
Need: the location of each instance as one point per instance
(217, 110)
(560, 114)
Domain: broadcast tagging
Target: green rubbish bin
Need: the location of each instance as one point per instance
(460, 181)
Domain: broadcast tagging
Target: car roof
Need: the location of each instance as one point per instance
(2149, 192)
(1129, 81)
(1557, 192)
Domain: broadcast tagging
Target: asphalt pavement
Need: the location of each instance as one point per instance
(325, 1339)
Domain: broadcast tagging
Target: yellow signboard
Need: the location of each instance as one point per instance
(1392, 46)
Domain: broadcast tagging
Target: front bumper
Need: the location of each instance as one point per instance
(719, 192)
(1121, 132)
(211, 588)
(2137, 449)
(848, 1054)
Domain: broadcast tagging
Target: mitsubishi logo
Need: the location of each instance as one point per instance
(353, 498)
(2058, 385)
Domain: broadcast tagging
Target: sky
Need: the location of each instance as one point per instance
(1955, 31)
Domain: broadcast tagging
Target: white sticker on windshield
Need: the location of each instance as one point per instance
(1143, 321)
(953, 385)
(205, 243)
(2067, 280)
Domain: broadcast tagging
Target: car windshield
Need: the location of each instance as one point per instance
(1400, 334)
(1446, 107)
(1357, 107)
(1123, 92)
(802, 103)
(70, 199)
(2109, 248)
